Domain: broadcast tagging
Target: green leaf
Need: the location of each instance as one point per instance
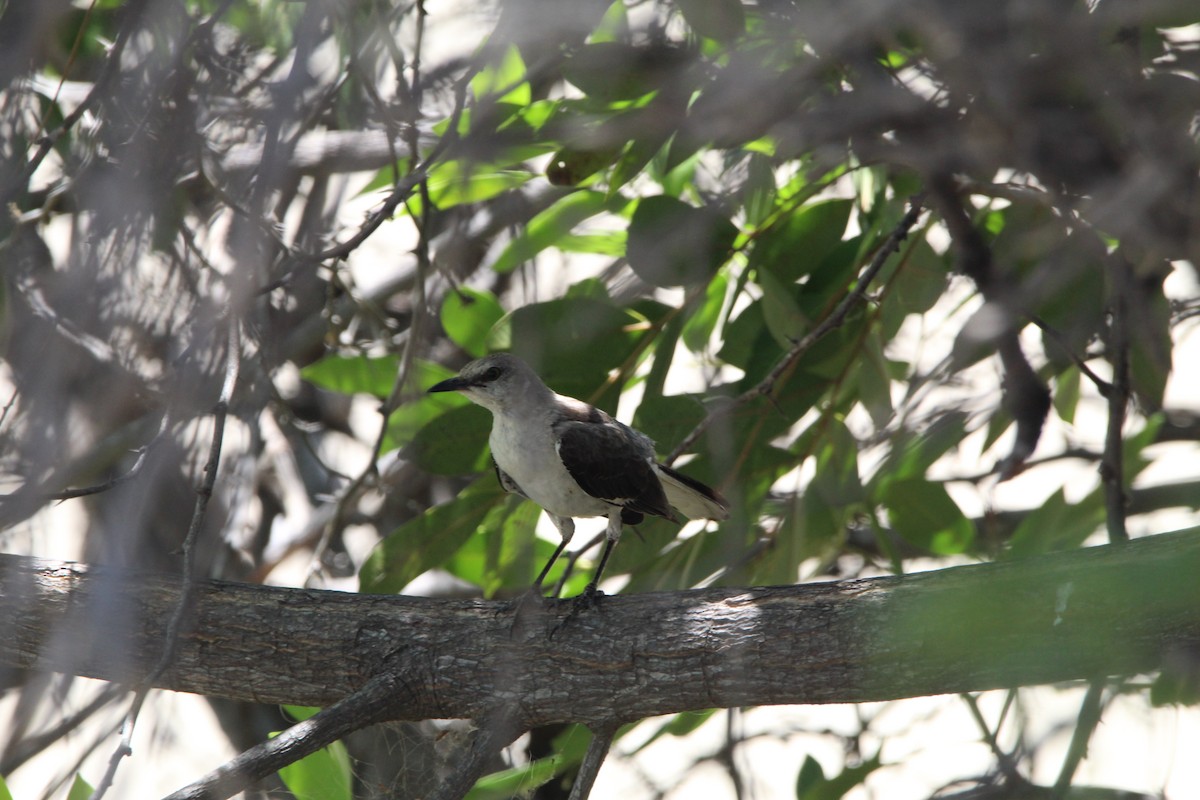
(4, 793)
(1150, 351)
(875, 381)
(549, 227)
(836, 478)
(722, 20)
(681, 724)
(668, 418)
(1177, 685)
(300, 713)
(815, 786)
(796, 245)
(610, 244)
(698, 330)
(610, 71)
(455, 183)
(504, 81)
(921, 280)
(811, 776)
(429, 540)
(468, 316)
(453, 443)
(573, 342)
(373, 375)
(322, 775)
(1057, 525)
(782, 314)
(416, 412)
(759, 191)
(674, 244)
(80, 789)
(1067, 393)
(924, 514)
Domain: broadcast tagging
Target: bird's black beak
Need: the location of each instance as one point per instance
(451, 385)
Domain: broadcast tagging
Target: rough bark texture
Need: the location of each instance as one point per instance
(1082, 614)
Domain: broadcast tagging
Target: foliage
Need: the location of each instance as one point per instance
(867, 265)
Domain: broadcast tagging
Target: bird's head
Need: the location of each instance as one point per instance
(494, 381)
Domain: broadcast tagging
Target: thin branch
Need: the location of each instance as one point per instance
(188, 588)
(1089, 718)
(20, 750)
(835, 319)
(112, 66)
(1101, 385)
(1112, 468)
(365, 707)
(98, 488)
(593, 759)
(1005, 760)
(403, 190)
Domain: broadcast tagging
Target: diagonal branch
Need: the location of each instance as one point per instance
(831, 323)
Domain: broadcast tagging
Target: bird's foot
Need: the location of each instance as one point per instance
(588, 599)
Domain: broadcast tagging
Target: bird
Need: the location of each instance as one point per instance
(573, 459)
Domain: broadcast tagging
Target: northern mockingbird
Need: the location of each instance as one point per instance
(574, 460)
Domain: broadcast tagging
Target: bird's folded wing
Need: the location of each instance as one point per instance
(609, 462)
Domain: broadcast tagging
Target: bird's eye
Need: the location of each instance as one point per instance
(491, 375)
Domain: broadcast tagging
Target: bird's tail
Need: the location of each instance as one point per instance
(691, 497)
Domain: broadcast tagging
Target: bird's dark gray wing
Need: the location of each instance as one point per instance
(611, 462)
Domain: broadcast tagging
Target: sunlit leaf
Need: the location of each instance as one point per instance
(80, 789)
(698, 330)
(467, 317)
(322, 775)
(450, 185)
(354, 374)
(504, 81)
(549, 227)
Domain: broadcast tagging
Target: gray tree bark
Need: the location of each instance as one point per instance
(1084, 614)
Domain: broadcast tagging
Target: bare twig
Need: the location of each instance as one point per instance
(826, 326)
(593, 759)
(1089, 718)
(1005, 760)
(1112, 467)
(125, 747)
(365, 707)
(98, 488)
(1101, 385)
(419, 302)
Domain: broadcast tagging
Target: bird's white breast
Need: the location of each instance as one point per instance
(529, 454)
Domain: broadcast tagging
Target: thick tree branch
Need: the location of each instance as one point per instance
(1108, 610)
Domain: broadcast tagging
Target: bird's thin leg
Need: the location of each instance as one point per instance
(537, 584)
(613, 535)
(566, 529)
